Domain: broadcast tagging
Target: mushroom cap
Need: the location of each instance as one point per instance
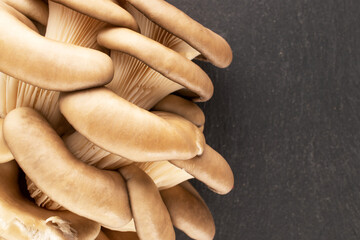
(182, 107)
(122, 128)
(34, 9)
(162, 59)
(212, 46)
(47, 63)
(96, 194)
(102, 236)
(210, 168)
(189, 212)
(105, 10)
(22, 220)
(152, 220)
(5, 154)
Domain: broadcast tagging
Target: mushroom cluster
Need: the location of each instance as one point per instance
(99, 131)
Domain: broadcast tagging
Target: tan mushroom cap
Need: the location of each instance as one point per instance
(102, 236)
(210, 168)
(152, 219)
(5, 154)
(162, 59)
(22, 220)
(72, 68)
(122, 128)
(105, 10)
(113, 235)
(182, 107)
(96, 194)
(212, 46)
(189, 212)
(34, 9)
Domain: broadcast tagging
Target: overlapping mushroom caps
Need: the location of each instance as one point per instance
(148, 67)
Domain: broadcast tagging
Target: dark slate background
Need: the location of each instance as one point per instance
(286, 115)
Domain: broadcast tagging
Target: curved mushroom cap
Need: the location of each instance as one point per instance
(212, 46)
(189, 212)
(5, 154)
(162, 59)
(22, 220)
(113, 235)
(34, 9)
(210, 168)
(87, 191)
(105, 10)
(131, 132)
(73, 67)
(152, 220)
(182, 107)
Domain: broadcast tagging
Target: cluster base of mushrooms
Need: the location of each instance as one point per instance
(99, 129)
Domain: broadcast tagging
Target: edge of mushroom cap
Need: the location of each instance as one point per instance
(160, 58)
(211, 45)
(34, 9)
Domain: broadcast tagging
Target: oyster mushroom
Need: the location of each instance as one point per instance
(34, 9)
(73, 67)
(113, 235)
(95, 194)
(5, 154)
(189, 212)
(20, 219)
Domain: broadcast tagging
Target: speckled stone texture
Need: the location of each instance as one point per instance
(286, 115)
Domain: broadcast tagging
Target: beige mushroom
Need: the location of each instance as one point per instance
(182, 107)
(152, 220)
(210, 168)
(113, 235)
(73, 67)
(20, 219)
(105, 10)
(140, 136)
(95, 194)
(189, 212)
(212, 47)
(34, 9)
(5, 154)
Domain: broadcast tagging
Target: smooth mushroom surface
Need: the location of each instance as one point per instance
(73, 67)
(113, 235)
(5, 154)
(152, 220)
(182, 107)
(34, 9)
(85, 190)
(212, 47)
(105, 10)
(20, 219)
(189, 212)
(162, 59)
(140, 136)
(210, 168)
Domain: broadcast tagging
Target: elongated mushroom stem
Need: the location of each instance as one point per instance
(141, 136)
(157, 225)
(95, 194)
(73, 68)
(189, 212)
(20, 219)
(34, 9)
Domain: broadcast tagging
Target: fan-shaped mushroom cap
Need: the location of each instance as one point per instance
(189, 212)
(131, 132)
(182, 107)
(87, 191)
(34, 9)
(73, 67)
(212, 46)
(5, 154)
(105, 10)
(210, 168)
(113, 235)
(20, 219)
(152, 220)
(164, 60)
